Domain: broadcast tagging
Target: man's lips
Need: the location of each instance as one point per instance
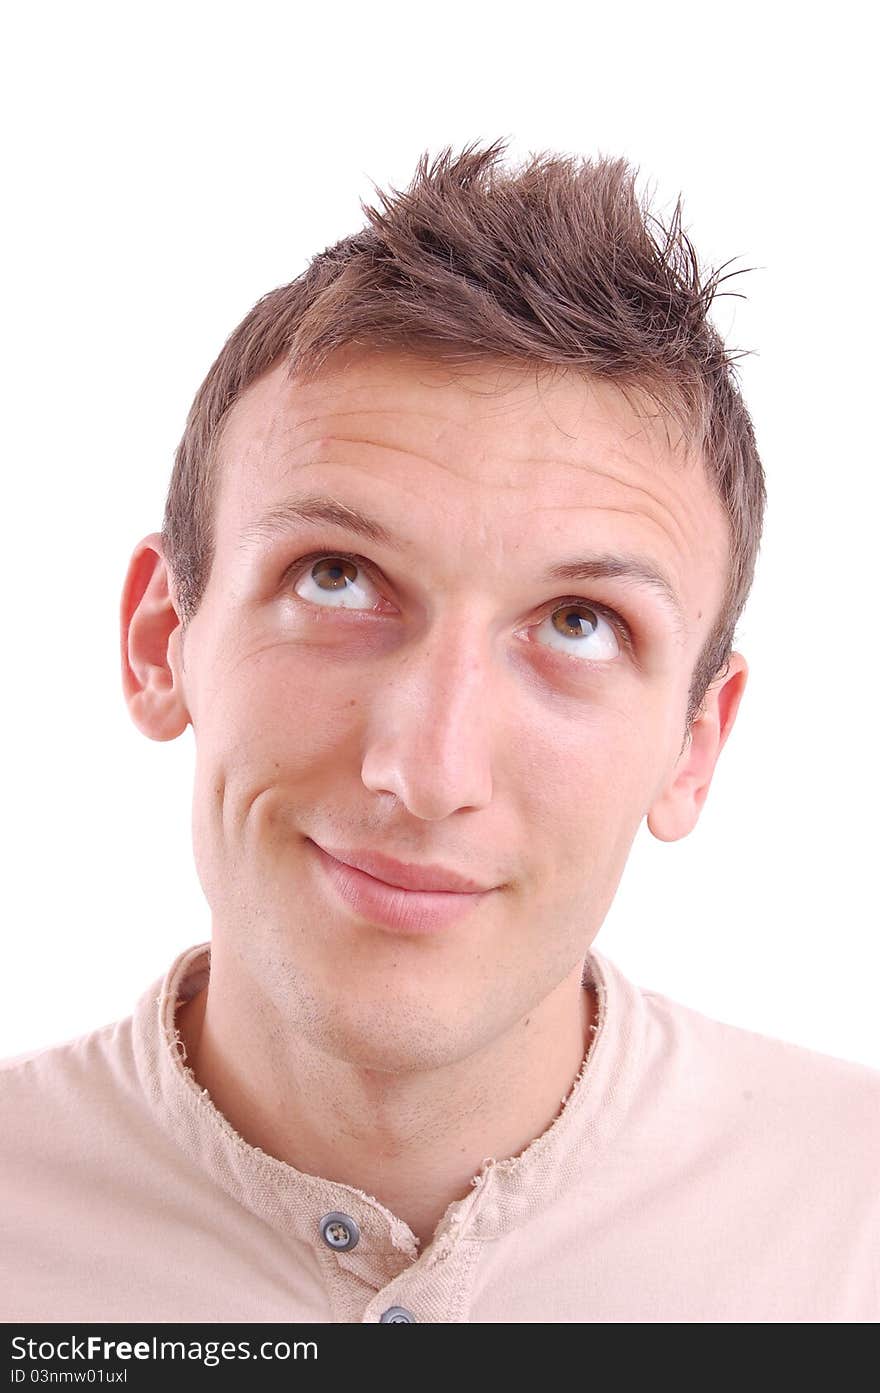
(405, 875)
(407, 910)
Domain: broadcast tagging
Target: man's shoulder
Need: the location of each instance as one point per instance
(42, 1089)
(49, 1057)
(764, 1080)
(47, 1060)
(683, 1025)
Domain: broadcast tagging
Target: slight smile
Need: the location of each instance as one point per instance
(392, 906)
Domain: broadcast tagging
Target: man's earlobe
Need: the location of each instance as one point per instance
(150, 644)
(675, 811)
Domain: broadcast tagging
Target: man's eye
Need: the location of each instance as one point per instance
(331, 581)
(575, 627)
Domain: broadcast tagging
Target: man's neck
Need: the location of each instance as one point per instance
(413, 1141)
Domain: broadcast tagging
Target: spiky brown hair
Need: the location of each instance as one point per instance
(557, 263)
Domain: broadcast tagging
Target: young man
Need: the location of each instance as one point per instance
(457, 538)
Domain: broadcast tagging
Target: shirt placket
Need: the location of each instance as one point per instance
(376, 1277)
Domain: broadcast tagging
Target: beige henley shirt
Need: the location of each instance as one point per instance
(697, 1172)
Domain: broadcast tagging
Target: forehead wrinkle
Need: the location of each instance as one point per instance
(395, 408)
(438, 426)
(472, 478)
(467, 422)
(329, 441)
(479, 454)
(606, 473)
(329, 436)
(677, 531)
(464, 422)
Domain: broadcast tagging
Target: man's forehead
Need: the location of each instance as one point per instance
(570, 445)
(541, 412)
(382, 416)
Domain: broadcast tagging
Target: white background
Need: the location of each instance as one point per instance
(168, 164)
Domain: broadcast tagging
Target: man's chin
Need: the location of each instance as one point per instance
(395, 1032)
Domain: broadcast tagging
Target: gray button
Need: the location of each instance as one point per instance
(339, 1231)
(397, 1315)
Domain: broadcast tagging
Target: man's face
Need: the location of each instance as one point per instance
(435, 697)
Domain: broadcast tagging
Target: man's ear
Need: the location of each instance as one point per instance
(675, 810)
(150, 639)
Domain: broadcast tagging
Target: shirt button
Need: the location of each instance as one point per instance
(397, 1315)
(339, 1231)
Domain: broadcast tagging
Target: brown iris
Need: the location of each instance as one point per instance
(342, 570)
(570, 621)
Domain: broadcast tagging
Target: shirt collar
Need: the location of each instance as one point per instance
(504, 1194)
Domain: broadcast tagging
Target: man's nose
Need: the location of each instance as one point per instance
(431, 732)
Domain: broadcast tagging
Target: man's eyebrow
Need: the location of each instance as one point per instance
(283, 517)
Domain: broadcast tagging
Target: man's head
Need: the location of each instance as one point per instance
(457, 537)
